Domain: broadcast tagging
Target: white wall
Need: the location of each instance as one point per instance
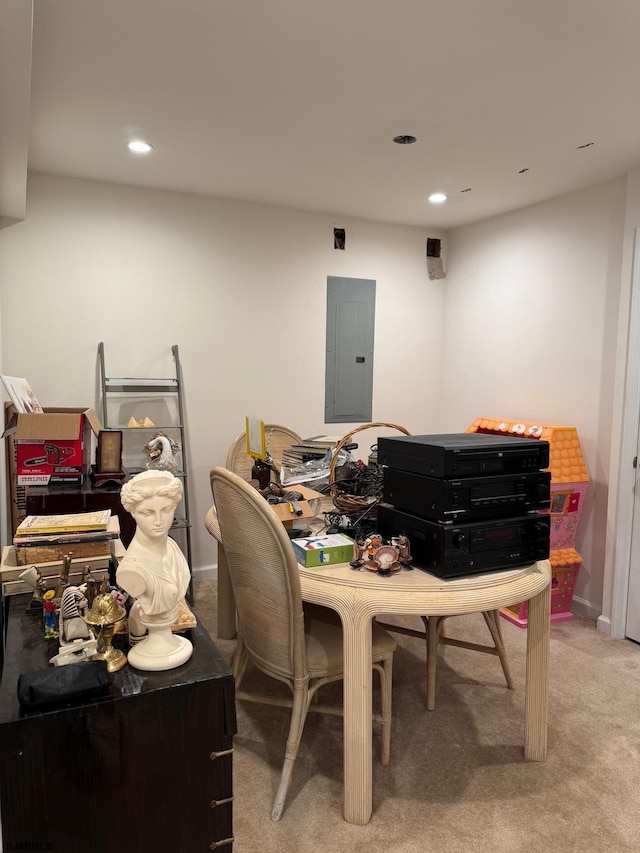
(240, 288)
(531, 311)
(529, 330)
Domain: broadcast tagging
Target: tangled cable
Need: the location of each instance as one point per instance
(359, 493)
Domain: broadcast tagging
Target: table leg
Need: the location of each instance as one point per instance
(226, 600)
(537, 677)
(358, 770)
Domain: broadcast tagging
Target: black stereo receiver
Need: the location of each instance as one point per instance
(466, 498)
(462, 454)
(454, 550)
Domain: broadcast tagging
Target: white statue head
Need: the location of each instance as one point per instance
(150, 484)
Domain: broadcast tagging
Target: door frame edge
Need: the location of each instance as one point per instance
(626, 472)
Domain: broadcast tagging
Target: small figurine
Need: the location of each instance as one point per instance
(73, 607)
(404, 549)
(371, 544)
(50, 622)
(90, 585)
(161, 451)
(359, 548)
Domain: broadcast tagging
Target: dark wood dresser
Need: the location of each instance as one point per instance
(56, 499)
(148, 767)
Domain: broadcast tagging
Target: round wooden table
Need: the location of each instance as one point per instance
(359, 596)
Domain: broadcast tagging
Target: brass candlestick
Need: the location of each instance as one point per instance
(91, 585)
(103, 619)
(63, 583)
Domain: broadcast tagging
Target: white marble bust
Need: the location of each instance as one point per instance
(154, 570)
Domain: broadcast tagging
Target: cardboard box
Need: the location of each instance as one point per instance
(17, 504)
(308, 506)
(323, 550)
(53, 446)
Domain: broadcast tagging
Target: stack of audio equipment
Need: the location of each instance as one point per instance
(468, 502)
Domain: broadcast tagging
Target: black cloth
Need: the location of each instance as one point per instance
(59, 684)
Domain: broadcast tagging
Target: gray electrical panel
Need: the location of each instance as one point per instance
(349, 364)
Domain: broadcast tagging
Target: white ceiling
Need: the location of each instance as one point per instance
(296, 102)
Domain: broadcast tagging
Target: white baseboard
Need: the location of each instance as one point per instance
(604, 625)
(206, 573)
(582, 607)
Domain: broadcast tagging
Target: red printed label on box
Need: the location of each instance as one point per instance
(44, 461)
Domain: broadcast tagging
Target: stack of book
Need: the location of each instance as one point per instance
(329, 441)
(310, 449)
(43, 538)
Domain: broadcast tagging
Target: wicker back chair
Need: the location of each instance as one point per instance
(301, 647)
(277, 437)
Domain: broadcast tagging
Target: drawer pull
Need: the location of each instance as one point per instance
(215, 844)
(215, 803)
(215, 755)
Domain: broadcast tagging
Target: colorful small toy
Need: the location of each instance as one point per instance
(50, 609)
(565, 565)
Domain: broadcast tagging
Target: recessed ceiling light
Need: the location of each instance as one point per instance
(404, 139)
(139, 147)
(437, 198)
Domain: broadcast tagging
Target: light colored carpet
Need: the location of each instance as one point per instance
(458, 781)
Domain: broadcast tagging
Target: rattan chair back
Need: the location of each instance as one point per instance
(264, 576)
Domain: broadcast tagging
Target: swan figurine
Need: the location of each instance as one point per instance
(162, 451)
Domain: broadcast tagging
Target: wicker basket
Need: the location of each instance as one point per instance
(345, 503)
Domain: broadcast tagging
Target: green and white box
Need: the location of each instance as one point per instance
(323, 550)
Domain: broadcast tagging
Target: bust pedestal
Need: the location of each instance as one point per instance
(161, 648)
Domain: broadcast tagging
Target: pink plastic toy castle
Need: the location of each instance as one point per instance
(569, 481)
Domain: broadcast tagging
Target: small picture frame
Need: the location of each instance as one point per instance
(22, 396)
(109, 452)
(256, 444)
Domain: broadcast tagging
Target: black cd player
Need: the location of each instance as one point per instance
(463, 454)
(455, 550)
(466, 498)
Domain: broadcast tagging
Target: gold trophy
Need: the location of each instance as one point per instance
(103, 619)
